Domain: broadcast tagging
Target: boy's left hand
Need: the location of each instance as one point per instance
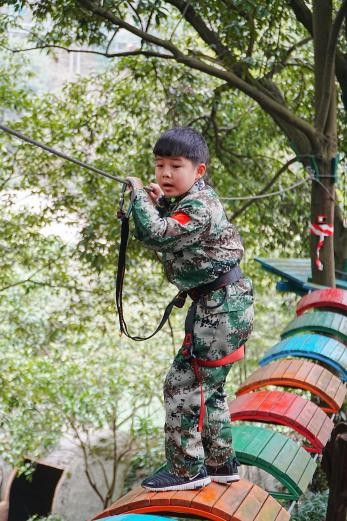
(134, 182)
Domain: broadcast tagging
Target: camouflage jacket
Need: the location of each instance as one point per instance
(194, 235)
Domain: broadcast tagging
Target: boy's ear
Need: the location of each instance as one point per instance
(201, 169)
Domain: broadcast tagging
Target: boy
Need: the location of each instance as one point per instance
(182, 217)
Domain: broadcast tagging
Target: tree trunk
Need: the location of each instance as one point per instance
(323, 189)
(322, 212)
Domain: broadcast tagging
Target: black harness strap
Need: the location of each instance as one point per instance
(177, 301)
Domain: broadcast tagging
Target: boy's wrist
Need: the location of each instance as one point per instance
(162, 201)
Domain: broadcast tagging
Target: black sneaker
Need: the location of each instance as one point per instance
(163, 480)
(225, 473)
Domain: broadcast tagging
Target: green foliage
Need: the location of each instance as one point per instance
(313, 507)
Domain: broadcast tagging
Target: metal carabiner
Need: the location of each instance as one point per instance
(121, 214)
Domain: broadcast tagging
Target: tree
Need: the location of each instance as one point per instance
(248, 46)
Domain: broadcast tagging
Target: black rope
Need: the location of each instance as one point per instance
(98, 171)
(177, 301)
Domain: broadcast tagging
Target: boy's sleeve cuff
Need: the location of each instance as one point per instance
(140, 193)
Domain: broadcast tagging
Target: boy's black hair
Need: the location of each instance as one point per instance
(182, 141)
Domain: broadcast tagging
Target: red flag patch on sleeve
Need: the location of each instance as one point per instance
(181, 217)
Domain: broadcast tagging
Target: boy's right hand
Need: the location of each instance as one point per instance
(154, 191)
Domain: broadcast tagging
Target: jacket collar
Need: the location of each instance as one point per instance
(197, 186)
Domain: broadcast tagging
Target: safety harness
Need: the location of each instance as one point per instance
(197, 294)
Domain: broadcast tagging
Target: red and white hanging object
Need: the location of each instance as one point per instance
(322, 230)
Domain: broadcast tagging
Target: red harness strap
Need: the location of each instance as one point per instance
(236, 355)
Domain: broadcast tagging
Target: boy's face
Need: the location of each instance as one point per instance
(176, 175)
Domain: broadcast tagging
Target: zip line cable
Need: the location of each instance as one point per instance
(269, 194)
(98, 171)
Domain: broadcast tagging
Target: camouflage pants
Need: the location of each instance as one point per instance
(222, 323)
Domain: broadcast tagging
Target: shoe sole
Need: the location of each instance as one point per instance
(225, 479)
(185, 486)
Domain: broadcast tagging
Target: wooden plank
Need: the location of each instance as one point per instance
(325, 431)
(325, 322)
(307, 475)
(250, 507)
(122, 504)
(327, 383)
(301, 374)
(269, 510)
(276, 403)
(283, 515)
(297, 467)
(310, 345)
(285, 456)
(275, 455)
(185, 497)
(328, 297)
(334, 349)
(252, 440)
(245, 403)
(340, 395)
(316, 423)
(208, 496)
(272, 449)
(228, 503)
(240, 501)
(302, 369)
(315, 373)
(296, 271)
(297, 416)
(163, 499)
(305, 414)
(144, 499)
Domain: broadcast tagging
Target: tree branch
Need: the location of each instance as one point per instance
(111, 39)
(207, 35)
(106, 54)
(88, 474)
(278, 66)
(304, 16)
(328, 74)
(265, 188)
(180, 20)
(271, 106)
(132, 8)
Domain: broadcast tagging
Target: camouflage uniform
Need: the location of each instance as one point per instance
(198, 244)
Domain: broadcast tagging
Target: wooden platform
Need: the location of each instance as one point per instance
(288, 409)
(320, 348)
(240, 501)
(331, 299)
(300, 374)
(323, 322)
(278, 455)
(295, 274)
